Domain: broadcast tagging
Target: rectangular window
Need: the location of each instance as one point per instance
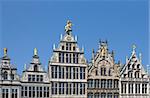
(41, 78)
(30, 92)
(67, 73)
(47, 92)
(33, 91)
(41, 91)
(67, 58)
(66, 46)
(33, 78)
(53, 71)
(37, 78)
(67, 91)
(29, 78)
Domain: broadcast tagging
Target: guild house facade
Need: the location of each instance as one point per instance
(69, 75)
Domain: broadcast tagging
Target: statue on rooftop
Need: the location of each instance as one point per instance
(68, 27)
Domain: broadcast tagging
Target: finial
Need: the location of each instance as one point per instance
(61, 37)
(82, 48)
(76, 38)
(133, 47)
(140, 57)
(68, 27)
(25, 66)
(5, 51)
(54, 47)
(35, 51)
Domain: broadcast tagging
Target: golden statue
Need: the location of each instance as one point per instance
(5, 51)
(68, 26)
(35, 51)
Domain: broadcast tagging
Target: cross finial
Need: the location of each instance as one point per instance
(5, 51)
(35, 51)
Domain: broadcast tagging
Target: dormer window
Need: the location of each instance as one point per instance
(5, 75)
(35, 68)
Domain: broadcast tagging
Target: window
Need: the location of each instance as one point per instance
(37, 78)
(4, 93)
(47, 92)
(96, 83)
(138, 66)
(109, 83)
(109, 73)
(137, 74)
(33, 78)
(96, 72)
(40, 91)
(41, 78)
(90, 95)
(66, 46)
(52, 89)
(103, 83)
(30, 92)
(109, 95)
(90, 83)
(35, 67)
(26, 90)
(62, 47)
(67, 91)
(69, 46)
(29, 78)
(130, 74)
(12, 76)
(5, 75)
(67, 73)
(96, 95)
(103, 71)
(66, 57)
(33, 91)
(74, 48)
(144, 88)
(74, 72)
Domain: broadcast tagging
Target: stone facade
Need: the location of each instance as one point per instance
(133, 78)
(70, 76)
(68, 69)
(103, 74)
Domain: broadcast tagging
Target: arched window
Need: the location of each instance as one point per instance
(35, 68)
(5, 75)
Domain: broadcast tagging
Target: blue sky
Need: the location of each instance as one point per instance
(30, 24)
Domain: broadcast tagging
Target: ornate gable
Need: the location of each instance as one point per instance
(133, 67)
(67, 48)
(103, 63)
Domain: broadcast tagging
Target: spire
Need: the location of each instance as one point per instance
(68, 26)
(5, 51)
(35, 52)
